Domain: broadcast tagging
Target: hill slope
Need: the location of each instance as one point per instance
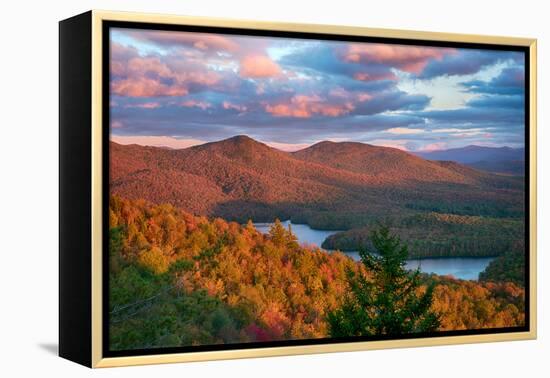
(383, 164)
(328, 185)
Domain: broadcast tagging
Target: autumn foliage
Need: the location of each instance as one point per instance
(337, 186)
(179, 280)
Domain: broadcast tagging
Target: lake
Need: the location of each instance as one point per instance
(466, 268)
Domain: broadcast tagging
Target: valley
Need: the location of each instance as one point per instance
(441, 208)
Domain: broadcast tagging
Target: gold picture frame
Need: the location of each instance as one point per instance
(90, 329)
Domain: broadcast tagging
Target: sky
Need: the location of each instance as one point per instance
(179, 89)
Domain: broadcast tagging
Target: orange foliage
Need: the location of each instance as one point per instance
(280, 290)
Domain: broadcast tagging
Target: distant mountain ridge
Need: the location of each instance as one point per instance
(492, 159)
(240, 178)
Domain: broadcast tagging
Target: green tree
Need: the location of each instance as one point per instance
(389, 299)
(116, 244)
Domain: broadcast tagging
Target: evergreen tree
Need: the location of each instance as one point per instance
(388, 299)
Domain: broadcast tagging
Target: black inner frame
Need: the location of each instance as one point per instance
(107, 25)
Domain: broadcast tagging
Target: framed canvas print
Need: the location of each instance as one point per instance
(235, 189)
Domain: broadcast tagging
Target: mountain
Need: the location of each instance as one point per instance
(328, 185)
(385, 164)
(492, 159)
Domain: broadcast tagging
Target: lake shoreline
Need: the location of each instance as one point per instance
(461, 267)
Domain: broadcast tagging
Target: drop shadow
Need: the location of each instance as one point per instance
(51, 348)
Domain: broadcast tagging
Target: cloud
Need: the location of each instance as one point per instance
(116, 125)
(218, 123)
(363, 96)
(511, 81)
(230, 106)
(392, 101)
(374, 76)
(258, 67)
(462, 133)
(329, 59)
(454, 130)
(120, 55)
(478, 115)
(288, 147)
(498, 102)
(404, 131)
(341, 94)
(297, 92)
(303, 106)
(464, 62)
(196, 104)
(367, 62)
(146, 87)
(433, 147)
(152, 76)
(156, 141)
(144, 105)
(410, 59)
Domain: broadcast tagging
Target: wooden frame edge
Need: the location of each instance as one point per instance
(311, 28)
(98, 16)
(533, 187)
(309, 349)
(97, 200)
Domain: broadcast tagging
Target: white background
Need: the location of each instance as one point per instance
(29, 189)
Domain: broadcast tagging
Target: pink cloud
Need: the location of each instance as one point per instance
(258, 66)
(339, 92)
(364, 96)
(363, 76)
(117, 68)
(288, 147)
(144, 87)
(116, 125)
(230, 106)
(196, 104)
(343, 94)
(146, 105)
(156, 141)
(150, 77)
(410, 59)
(405, 131)
(302, 106)
(120, 55)
(434, 147)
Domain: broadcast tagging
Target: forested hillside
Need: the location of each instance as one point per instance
(177, 279)
(443, 235)
(329, 185)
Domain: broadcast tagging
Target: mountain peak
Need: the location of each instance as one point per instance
(241, 139)
(234, 142)
(337, 145)
(242, 142)
(240, 147)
